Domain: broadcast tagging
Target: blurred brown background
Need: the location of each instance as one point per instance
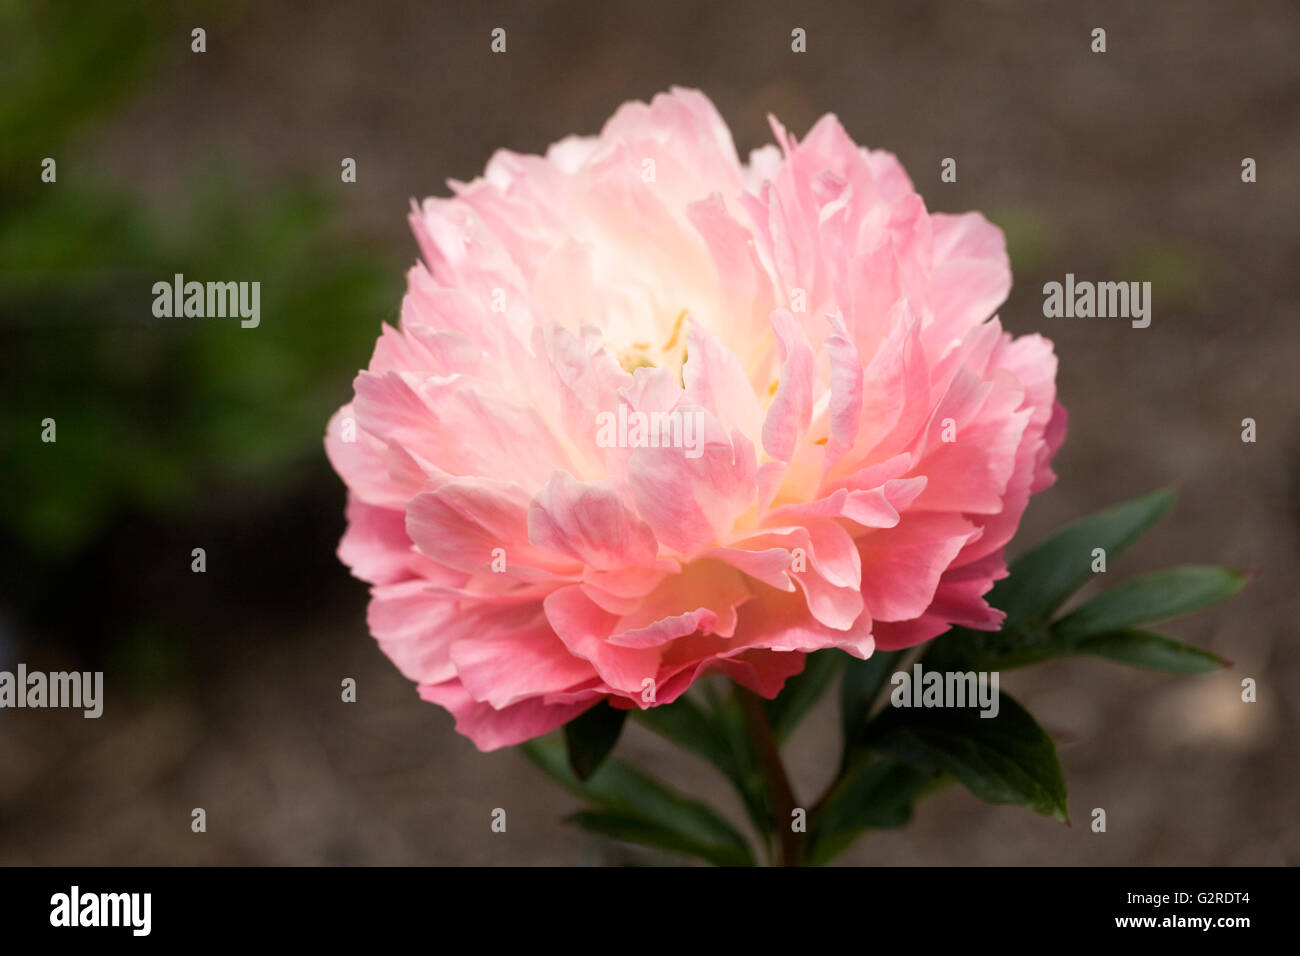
(223, 689)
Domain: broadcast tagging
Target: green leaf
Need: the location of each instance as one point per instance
(591, 736)
(861, 687)
(1002, 759)
(642, 805)
(874, 792)
(1144, 649)
(632, 829)
(1044, 576)
(1152, 597)
(1124, 646)
(802, 691)
(749, 777)
(688, 725)
(961, 649)
(1009, 759)
(717, 733)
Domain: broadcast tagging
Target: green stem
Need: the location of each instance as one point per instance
(788, 849)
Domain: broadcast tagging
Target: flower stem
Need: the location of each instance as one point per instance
(788, 848)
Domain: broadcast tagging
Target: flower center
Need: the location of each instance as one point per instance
(645, 355)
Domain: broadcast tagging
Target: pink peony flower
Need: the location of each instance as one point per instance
(651, 413)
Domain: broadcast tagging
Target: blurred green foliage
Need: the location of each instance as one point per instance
(151, 412)
(63, 63)
(1031, 242)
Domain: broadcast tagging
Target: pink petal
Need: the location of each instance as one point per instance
(492, 729)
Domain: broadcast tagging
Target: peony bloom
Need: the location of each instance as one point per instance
(652, 413)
